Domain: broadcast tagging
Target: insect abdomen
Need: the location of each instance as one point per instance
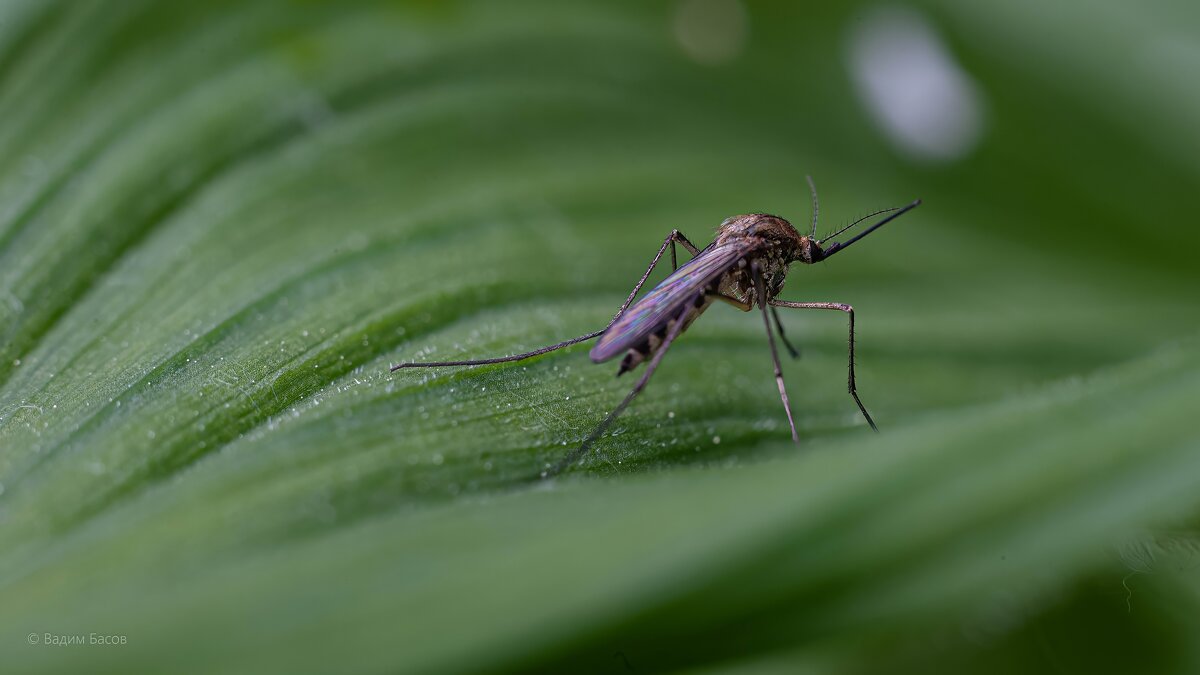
(646, 349)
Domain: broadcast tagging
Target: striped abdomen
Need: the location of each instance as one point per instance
(645, 349)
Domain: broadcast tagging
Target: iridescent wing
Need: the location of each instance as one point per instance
(664, 302)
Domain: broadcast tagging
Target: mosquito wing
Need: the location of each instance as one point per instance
(663, 303)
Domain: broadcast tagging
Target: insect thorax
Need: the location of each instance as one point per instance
(653, 342)
(769, 240)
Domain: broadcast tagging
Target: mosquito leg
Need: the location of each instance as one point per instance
(579, 452)
(673, 237)
(501, 359)
(779, 327)
(677, 236)
(746, 307)
(683, 241)
(841, 307)
(761, 292)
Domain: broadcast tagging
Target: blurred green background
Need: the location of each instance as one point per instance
(220, 222)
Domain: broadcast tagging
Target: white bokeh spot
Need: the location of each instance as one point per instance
(925, 103)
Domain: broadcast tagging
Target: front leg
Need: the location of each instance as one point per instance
(841, 307)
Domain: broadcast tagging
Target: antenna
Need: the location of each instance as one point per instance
(816, 206)
(869, 215)
(899, 211)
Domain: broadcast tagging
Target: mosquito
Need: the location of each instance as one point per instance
(745, 266)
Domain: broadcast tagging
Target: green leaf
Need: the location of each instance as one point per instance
(220, 223)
